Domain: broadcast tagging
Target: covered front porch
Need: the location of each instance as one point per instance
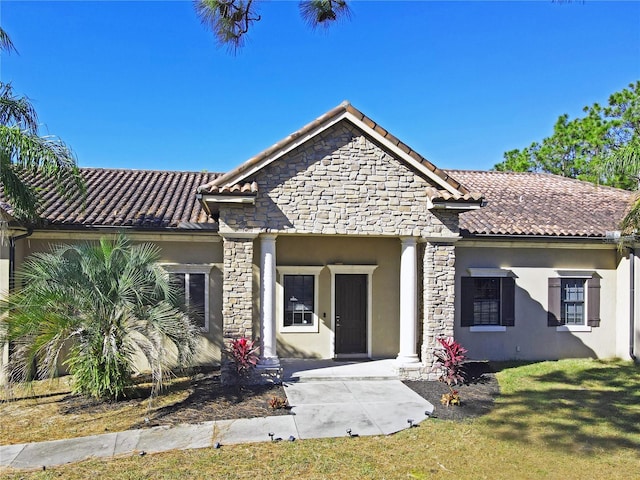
(340, 298)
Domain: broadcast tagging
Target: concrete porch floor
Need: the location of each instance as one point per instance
(306, 370)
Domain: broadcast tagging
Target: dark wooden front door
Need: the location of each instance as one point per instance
(351, 313)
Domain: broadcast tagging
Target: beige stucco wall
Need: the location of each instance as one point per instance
(194, 250)
(322, 251)
(531, 338)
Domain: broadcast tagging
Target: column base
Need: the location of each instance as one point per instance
(268, 362)
(407, 359)
(269, 370)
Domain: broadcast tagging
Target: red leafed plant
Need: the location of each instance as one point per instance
(243, 356)
(451, 359)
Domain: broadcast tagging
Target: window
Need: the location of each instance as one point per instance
(298, 300)
(574, 301)
(192, 288)
(193, 281)
(488, 302)
(297, 291)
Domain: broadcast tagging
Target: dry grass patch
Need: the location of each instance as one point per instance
(47, 411)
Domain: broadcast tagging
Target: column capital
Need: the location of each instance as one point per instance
(408, 239)
(268, 236)
(238, 235)
(441, 240)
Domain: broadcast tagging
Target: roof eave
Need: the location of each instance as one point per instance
(211, 202)
(444, 205)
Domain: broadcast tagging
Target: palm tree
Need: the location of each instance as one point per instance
(96, 308)
(230, 20)
(24, 152)
(626, 161)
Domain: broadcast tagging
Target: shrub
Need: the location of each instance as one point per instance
(450, 359)
(243, 358)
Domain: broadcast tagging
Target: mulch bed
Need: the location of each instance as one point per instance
(209, 400)
(477, 393)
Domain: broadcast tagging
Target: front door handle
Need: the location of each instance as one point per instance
(337, 320)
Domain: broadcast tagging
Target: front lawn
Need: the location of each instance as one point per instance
(573, 419)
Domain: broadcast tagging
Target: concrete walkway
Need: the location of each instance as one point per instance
(331, 408)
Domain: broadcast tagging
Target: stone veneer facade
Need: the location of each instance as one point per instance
(438, 267)
(342, 183)
(237, 288)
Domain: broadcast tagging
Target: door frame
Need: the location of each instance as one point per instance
(358, 270)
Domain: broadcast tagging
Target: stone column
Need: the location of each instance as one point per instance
(408, 301)
(439, 297)
(269, 356)
(237, 288)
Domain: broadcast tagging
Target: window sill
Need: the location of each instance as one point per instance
(487, 328)
(573, 328)
(311, 328)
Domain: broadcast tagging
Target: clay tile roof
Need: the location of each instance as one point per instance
(141, 199)
(437, 195)
(246, 188)
(541, 204)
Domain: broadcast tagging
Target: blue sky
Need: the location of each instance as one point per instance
(143, 85)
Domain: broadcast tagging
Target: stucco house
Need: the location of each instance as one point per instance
(340, 241)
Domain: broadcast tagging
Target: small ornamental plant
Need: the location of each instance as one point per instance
(243, 357)
(450, 359)
(276, 403)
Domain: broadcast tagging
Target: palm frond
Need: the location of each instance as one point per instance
(630, 224)
(24, 199)
(624, 161)
(16, 111)
(5, 42)
(24, 152)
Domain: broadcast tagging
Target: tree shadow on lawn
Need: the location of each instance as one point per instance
(597, 408)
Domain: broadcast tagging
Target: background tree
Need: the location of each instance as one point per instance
(231, 20)
(23, 152)
(96, 307)
(580, 148)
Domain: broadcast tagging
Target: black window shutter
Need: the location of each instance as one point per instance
(508, 298)
(593, 302)
(553, 312)
(466, 310)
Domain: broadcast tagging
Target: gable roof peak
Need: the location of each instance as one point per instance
(344, 111)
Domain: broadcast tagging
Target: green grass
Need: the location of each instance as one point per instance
(572, 419)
